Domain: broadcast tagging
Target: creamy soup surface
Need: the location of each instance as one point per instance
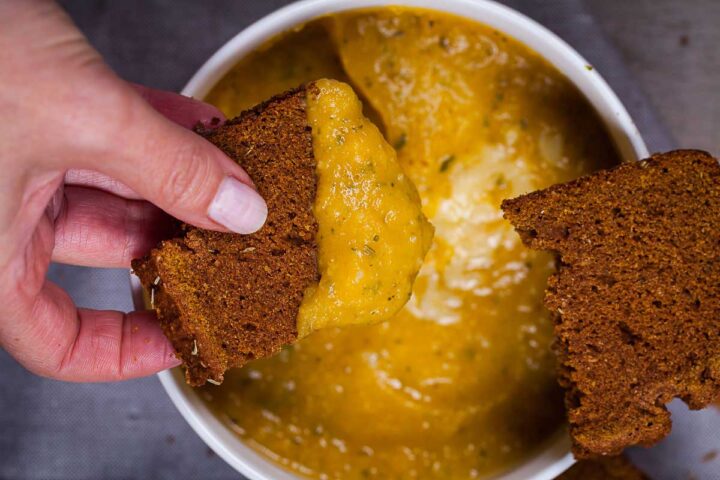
(460, 384)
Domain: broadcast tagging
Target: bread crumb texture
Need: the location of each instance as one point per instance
(636, 295)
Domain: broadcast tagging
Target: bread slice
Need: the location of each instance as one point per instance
(611, 468)
(636, 296)
(224, 299)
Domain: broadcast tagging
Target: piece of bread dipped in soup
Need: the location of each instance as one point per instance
(343, 242)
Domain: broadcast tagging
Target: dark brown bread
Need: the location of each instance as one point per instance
(612, 468)
(636, 295)
(224, 299)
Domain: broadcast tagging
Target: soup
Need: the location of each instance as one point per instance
(461, 383)
(372, 236)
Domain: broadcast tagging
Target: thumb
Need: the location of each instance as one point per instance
(181, 172)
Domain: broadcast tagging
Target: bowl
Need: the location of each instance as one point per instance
(554, 457)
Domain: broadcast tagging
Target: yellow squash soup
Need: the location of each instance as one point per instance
(372, 235)
(460, 384)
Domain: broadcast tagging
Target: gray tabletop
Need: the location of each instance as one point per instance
(55, 430)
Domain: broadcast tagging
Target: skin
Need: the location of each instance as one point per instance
(91, 166)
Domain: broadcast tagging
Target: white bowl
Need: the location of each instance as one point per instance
(555, 457)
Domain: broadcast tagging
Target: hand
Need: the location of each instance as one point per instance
(80, 150)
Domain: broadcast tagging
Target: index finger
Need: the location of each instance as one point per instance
(185, 111)
(179, 171)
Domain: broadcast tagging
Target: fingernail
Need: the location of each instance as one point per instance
(238, 207)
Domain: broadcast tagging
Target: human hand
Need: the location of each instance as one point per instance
(88, 163)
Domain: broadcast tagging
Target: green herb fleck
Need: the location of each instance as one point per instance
(401, 141)
(368, 250)
(470, 353)
(376, 238)
(589, 68)
(500, 180)
(444, 43)
(446, 162)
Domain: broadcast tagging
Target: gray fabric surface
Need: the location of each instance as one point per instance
(54, 430)
(670, 46)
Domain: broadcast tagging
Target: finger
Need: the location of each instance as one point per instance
(179, 171)
(99, 181)
(62, 342)
(98, 229)
(185, 111)
(113, 346)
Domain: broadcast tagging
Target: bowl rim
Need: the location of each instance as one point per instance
(554, 457)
